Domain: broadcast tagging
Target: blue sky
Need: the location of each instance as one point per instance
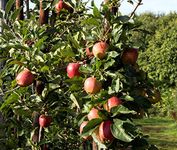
(156, 6)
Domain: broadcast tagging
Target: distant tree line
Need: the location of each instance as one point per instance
(158, 48)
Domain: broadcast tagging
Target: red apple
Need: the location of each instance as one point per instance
(105, 133)
(99, 49)
(112, 102)
(25, 78)
(73, 70)
(83, 124)
(62, 5)
(45, 121)
(93, 114)
(130, 56)
(91, 85)
(88, 52)
(59, 6)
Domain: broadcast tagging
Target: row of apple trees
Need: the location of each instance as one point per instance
(70, 78)
(157, 40)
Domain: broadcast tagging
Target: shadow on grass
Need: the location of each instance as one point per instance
(162, 132)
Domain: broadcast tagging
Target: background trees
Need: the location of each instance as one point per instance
(159, 55)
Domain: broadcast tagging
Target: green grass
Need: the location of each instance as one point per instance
(162, 132)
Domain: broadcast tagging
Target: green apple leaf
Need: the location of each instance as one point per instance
(119, 131)
(91, 126)
(121, 110)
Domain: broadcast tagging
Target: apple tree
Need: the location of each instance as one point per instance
(158, 54)
(70, 78)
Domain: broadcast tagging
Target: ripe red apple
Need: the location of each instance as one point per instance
(88, 52)
(44, 120)
(62, 5)
(99, 49)
(93, 114)
(130, 56)
(83, 124)
(73, 70)
(91, 85)
(105, 133)
(25, 78)
(59, 6)
(112, 102)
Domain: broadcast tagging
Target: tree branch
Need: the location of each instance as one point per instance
(133, 12)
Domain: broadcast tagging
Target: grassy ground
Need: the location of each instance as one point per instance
(162, 132)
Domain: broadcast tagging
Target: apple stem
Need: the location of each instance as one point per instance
(41, 133)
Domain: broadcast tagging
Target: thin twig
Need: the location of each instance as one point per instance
(3, 93)
(133, 12)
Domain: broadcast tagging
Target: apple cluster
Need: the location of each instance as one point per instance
(93, 86)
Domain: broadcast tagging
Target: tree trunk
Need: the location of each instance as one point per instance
(43, 14)
(27, 9)
(19, 4)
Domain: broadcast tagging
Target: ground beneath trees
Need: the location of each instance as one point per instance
(162, 132)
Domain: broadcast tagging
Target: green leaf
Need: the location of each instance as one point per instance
(96, 12)
(86, 69)
(121, 110)
(100, 145)
(74, 43)
(115, 87)
(10, 35)
(1, 14)
(123, 18)
(15, 14)
(22, 47)
(16, 62)
(39, 58)
(112, 54)
(11, 99)
(75, 87)
(45, 68)
(73, 98)
(5, 26)
(130, 1)
(67, 52)
(91, 21)
(109, 64)
(40, 42)
(98, 64)
(9, 6)
(119, 132)
(91, 126)
(117, 32)
(127, 98)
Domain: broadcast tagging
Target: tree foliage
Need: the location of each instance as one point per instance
(46, 49)
(159, 56)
